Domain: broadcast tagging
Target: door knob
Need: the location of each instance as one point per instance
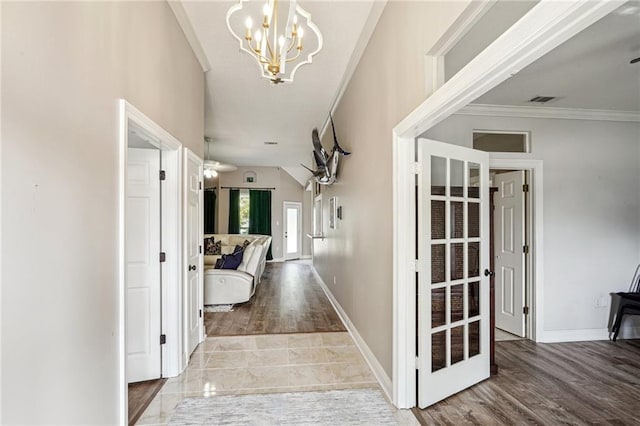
(488, 273)
(192, 267)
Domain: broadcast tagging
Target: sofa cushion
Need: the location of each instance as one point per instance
(231, 261)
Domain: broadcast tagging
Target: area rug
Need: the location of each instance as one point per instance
(218, 308)
(336, 407)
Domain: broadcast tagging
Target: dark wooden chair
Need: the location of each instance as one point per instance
(629, 303)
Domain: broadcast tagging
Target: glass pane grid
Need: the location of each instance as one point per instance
(460, 332)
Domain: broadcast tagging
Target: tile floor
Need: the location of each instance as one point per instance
(266, 364)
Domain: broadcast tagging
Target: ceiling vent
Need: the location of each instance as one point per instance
(271, 143)
(541, 99)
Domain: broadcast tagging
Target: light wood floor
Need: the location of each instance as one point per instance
(289, 299)
(583, 383)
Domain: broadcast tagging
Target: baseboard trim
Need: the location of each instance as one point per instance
(587, 334)
(275, 260)
(308, 256)
(381, 376)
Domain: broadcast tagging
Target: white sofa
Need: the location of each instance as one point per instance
(226, 286)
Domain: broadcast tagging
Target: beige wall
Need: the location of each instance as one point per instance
(286, 189)
(387, 85)
(64, 66)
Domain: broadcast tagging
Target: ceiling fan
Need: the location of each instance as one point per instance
(211, 167)
(633, 61)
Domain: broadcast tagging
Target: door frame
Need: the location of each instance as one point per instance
(544, 27)
(284, 228)
(534, 295)
(171, 240)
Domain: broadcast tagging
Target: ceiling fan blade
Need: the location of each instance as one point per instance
(633, 61)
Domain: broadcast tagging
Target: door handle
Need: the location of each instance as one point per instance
(286, 235)
(192, 267)
(488, 273)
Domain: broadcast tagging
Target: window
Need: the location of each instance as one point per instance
(495, 141)
(244, 211)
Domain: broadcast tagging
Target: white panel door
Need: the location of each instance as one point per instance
(509, 262)
(453, 261)
(193, 251)
(292, 230)
(143, 316)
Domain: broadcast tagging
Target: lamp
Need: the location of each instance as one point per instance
(274, 47)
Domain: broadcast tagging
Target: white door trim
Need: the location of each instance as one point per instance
(535, 274)
(284, 228)
(546, 26)
(171, 243)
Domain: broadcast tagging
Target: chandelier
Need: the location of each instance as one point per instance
(279, 38)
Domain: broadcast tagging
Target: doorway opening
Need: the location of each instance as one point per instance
(292, 230)
(149, 275)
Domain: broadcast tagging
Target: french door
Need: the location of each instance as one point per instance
(292, 230)
(453, 257)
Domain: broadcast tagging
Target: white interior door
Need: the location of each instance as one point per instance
(193, 251)
(453, 255)
(509, 262)
(143, 314)
(292, 230)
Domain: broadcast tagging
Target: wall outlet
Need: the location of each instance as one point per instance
(601, 302)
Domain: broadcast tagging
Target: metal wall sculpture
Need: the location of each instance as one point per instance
(326, 164)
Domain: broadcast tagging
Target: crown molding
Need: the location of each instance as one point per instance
(184, 22)
(549, 112)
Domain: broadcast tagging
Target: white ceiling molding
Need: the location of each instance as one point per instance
(365, 35)
(549, 112)
(189, 33)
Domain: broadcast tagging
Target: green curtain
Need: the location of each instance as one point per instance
(209, 212)
(260, 214)
(234, 211)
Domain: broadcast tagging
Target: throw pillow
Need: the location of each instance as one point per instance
(237, 249)
(219, 264)
(246, 243)
(209, 246)
(217, 248)
(232, 261)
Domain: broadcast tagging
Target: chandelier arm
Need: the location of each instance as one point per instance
(259, 55)
(295, 57)
(293, 43)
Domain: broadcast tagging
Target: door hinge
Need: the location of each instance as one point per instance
(200, 183)
(163, 175)
(525, 249)
(200, 248)
(416, 265)
(163, 257)
(417, 363)
(525, 310)
(163, 339)
(200, 313)
(525, 187)
(417, 168)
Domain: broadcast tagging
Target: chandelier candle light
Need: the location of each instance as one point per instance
(272, 46)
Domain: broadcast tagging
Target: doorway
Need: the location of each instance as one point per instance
(149, 256)
(292, 229)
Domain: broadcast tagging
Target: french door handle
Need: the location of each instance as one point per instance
(488, 273)
(192, 267)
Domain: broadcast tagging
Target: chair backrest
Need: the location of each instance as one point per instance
(635, 281)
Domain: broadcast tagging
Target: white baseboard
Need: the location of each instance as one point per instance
(308, 256)
(275, 260)
(587, 334)
(381, 376)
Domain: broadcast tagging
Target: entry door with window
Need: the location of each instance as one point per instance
(292, 230)
(509, 253)
(193, 251)
(453, 254)
(143, 314)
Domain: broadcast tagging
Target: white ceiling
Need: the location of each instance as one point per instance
(590, 71)
(244, 110)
